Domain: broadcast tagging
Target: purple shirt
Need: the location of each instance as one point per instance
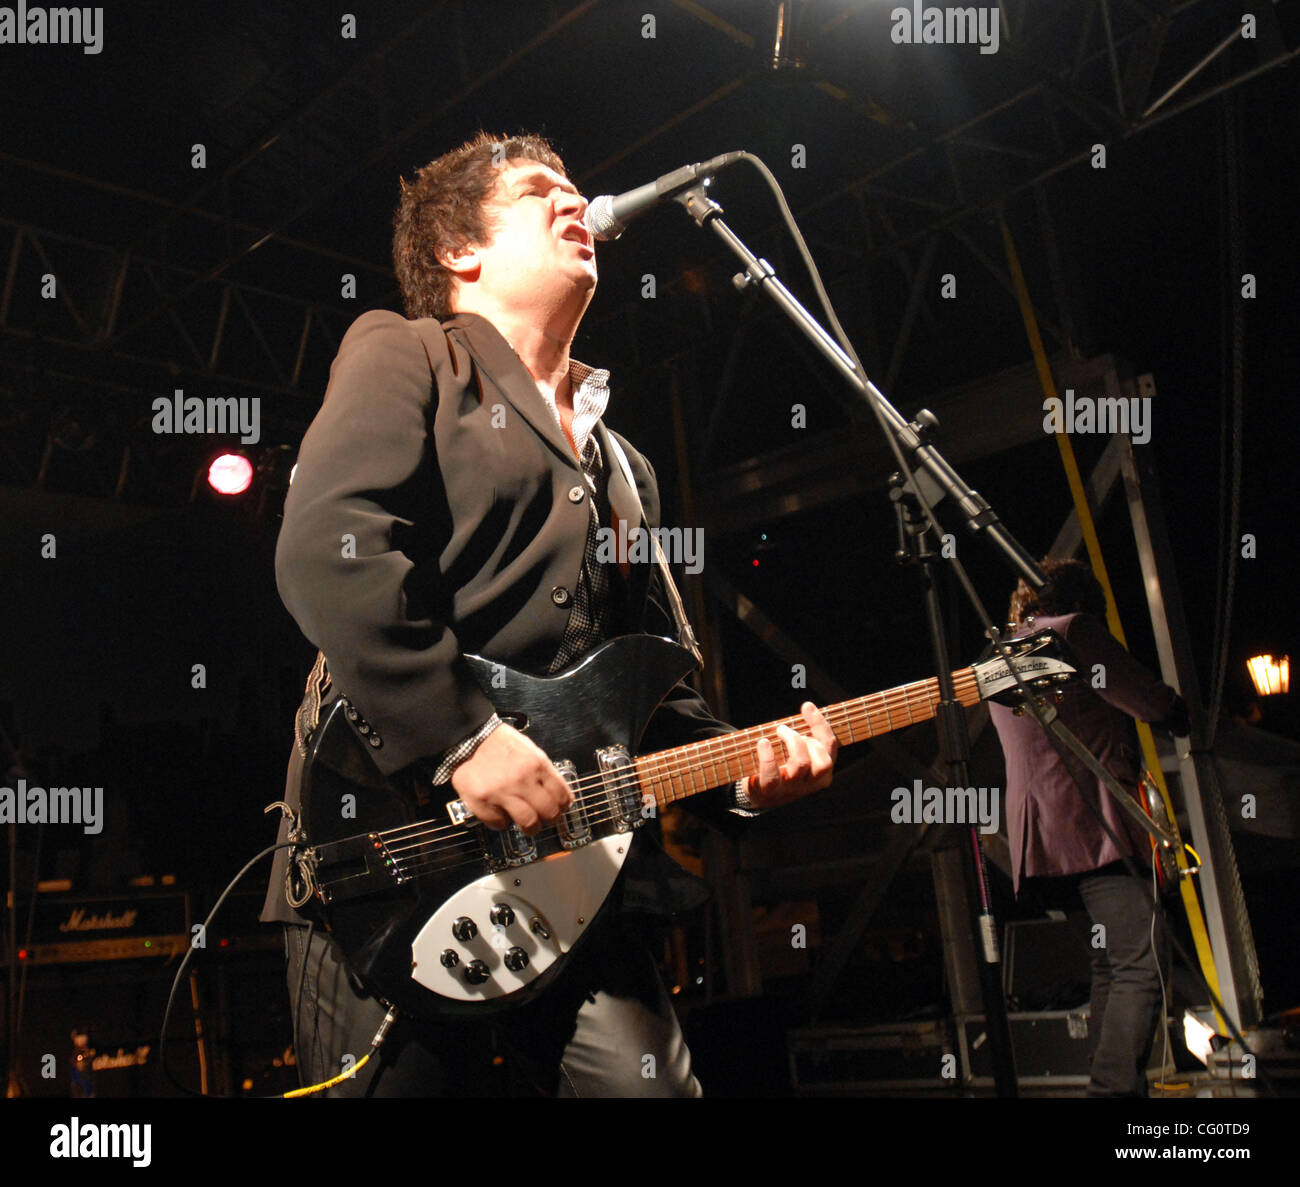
(1050, 829)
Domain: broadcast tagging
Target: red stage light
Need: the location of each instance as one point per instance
(230, 474)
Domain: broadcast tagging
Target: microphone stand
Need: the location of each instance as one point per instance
(929, 474)
(916, 548)
(933, 476)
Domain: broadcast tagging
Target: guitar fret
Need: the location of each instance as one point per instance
(678, 776)
(697, 769)
(653, 778)
(710, 747)
(684, 771)
(647, 781)
(661, 774)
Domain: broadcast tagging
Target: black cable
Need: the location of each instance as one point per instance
(185, 961)
(1231, 543)
(847, 346)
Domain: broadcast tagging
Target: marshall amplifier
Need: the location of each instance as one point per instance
(82, 929)
(93, 976)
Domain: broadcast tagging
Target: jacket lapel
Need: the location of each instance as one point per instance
(502, 366)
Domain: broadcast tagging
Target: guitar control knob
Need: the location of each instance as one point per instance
(464, 929)
(538, 928)
(476, 972)
(501, 915)
(516, 960)
(449, 958)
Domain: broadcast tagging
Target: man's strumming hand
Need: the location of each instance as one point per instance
(509, 779)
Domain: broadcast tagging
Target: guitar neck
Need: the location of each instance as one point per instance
(672, 775)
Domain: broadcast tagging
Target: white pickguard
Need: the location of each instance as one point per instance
(562, 892)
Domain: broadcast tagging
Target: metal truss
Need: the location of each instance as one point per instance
(208, 287)
(1069, 76)
(1119, 469)
(1096, 65)
(58, 352)
(205, 292)
(96, 287)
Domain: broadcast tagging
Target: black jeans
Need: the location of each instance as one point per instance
(1124, 928)
(605, 1028)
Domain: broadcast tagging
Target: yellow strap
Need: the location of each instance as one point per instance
(1195, 918)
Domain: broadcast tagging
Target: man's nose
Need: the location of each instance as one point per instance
(569, 202)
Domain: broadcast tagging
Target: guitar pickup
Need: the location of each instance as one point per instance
(573, 827)
(517, 847)
(621, 786)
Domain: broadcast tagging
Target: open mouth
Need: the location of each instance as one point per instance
(578, 234)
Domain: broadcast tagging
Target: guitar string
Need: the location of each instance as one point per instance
(428, 843)
(433, 846)
(430, 852)
(739, 744)
(422, 849)
(419, 865)
(592, 790)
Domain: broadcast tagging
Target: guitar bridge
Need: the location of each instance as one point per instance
(352, 867)
(618, 772)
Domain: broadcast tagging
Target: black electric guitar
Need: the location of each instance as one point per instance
(437, 912)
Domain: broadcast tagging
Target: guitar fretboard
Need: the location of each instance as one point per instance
(671, 775)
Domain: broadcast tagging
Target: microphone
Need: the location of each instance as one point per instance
(607, 216)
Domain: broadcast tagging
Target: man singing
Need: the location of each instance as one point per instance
(447, 502)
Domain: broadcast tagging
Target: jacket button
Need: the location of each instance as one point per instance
(560, 596)
(576, 494)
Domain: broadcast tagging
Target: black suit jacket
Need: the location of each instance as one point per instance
(430, 517)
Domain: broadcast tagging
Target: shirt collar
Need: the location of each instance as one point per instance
(590, 387)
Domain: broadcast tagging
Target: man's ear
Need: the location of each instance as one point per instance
(462, 262)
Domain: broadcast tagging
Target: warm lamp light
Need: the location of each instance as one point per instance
(1269, 675)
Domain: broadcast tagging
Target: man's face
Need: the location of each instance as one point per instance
(540, 255)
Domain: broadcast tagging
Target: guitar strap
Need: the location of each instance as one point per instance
(685, 635)
(308, 715)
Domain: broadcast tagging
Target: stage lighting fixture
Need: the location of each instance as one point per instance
(1269, 675)
(230, 474)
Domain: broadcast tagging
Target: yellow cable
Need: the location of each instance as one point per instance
(1195, 918)
(330, 1083)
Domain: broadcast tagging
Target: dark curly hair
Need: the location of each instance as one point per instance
(442, 209)
(1070, 587)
